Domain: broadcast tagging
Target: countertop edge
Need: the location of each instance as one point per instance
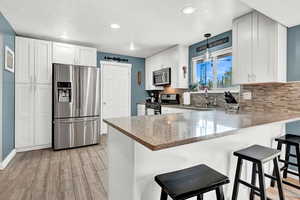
(193, 139)
(150, 146)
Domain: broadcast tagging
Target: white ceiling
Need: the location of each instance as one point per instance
(152, 25)
(284, 11)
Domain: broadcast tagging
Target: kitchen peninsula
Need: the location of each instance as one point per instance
(141, 147)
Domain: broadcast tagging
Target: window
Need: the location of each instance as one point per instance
(214, 73)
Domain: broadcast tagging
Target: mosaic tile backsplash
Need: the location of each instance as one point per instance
(272, 97)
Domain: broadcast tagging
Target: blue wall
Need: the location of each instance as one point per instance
(293, 68)
(193, 53)
(293, 72)
(138, 93)
(8, 91)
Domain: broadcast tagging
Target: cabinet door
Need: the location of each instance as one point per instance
(263, 49)
(43, 114)
(24, 115)
(148, 74)
(43, 69)
(64, 53)
(24, 71)
(242, 49)
(87, 56)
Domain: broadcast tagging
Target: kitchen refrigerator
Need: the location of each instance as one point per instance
(76, 106)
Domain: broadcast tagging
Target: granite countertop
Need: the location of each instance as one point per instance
(164, 131)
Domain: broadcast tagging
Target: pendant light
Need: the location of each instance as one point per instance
(207, 53)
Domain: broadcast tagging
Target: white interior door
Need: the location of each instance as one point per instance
(116, 95)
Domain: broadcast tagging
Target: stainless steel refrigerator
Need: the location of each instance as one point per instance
(76, 106)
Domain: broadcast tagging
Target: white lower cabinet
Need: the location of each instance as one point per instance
(24, 117)
(168, 110)
(140, 109)
(33, 116)
(43, 115)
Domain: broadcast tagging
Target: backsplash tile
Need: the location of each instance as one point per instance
(272, 97)
(198, 99)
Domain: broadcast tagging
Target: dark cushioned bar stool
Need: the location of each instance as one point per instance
(290, 141)
(258, 155)
(191, 182)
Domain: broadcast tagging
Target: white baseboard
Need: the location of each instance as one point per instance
(8, 158)
(46, 146)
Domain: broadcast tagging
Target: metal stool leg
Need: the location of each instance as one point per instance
(220, 193)
(262, 185)
(279, 181)
(253, 180)
(200, 197)
(164, 195)
(237, 178)
(298, 160)
(279, 147)
(287, 159)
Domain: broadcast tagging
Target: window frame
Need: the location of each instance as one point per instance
(215, 55)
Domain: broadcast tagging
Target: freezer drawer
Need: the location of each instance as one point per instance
(70, 133)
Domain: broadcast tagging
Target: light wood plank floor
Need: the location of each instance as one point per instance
(79, 174)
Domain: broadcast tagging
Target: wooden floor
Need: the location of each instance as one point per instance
(56, 175)
(78, 174)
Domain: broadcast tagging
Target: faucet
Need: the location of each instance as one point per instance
(207, 102)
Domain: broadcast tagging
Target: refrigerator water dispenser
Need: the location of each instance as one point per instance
(64, 92)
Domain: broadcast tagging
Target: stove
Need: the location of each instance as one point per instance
(154, 108)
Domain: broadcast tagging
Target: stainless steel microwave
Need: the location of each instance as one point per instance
(162, 77)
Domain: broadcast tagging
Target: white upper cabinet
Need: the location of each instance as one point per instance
(87, 56)
(259, 50)
(74, 55)
(33, 61)
(43, 62)
(64, 53)
(24, 72)
(175, 58)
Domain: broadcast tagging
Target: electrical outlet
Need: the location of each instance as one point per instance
(247, 95)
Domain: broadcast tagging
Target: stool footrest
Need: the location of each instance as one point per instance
(287, 162)
(291, 172)
(269, 176)
(249, 185)
(292, 155)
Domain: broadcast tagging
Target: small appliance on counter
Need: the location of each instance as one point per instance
(186, 98)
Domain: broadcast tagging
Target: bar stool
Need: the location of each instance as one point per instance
(191, 182)
(290, 141)
(258, 155)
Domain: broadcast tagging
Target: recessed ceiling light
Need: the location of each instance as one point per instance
(132, 47)
(115, 26)
(188, 10)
